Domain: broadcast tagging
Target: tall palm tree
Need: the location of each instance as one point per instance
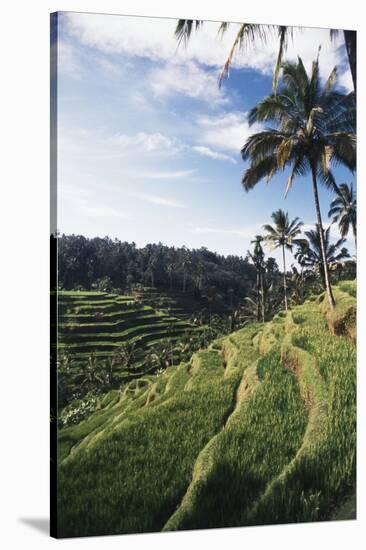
(257, 257)
(343, 210)
(211, 295)
(309, 254)
(315, 127)
(283, 235)
(185, 265)
(249, 32)
(170, 268)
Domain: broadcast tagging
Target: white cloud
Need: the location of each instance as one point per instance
(188, 79)
(103, 212)
(228, 131)
(140, 101)
(207, 152)
(168, 175)
(108, 67)
(153, 38)
(160, 201)
(151, 142)
(246, 232)
(86, 202)
(67, 60)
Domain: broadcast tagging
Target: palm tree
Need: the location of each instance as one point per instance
(343, 210)
(92, 373)
(211, 295)
(170, 268)
(257, 257)
(249, 32)
(315, 128)
(110, 371)
(283, 235)
(127, 354)
(152, 266)
(185, 264)
(309, 254)
(161, 355)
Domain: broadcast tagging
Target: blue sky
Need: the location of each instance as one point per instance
(148, 145)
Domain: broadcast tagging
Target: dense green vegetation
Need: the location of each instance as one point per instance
(258, 428)
(106, 264)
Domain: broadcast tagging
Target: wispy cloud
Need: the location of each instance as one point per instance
(188, 79)
(150, 142)
(158, 200)
(228, 131)
(167, 175)
(67, 60)
(245, 232)
(208, 152)
(100, 211)
(87, 203)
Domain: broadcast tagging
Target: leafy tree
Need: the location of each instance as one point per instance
(283, 235)
(315, 128)
(343, 210)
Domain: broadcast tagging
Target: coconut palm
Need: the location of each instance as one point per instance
(161, 355)
(315, 128)
(309, 253)
(249, 32)
(211, 295)
(343, 210)
(127, 355)
(283, 235)
(185, 266)
(92, 373)
(257, 257)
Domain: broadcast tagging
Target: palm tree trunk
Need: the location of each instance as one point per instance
(284, 275)
(321, 231)
(262, 292)
(355, 233)
(258, 287)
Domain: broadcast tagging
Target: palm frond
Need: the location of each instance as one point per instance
(283, 35)
(246, 31)
(264, 168)
(184, 29)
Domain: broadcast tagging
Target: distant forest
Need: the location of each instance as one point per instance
(106, 264)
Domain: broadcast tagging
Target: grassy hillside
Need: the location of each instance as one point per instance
(260, 428)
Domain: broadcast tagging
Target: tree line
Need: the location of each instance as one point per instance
(103, 263)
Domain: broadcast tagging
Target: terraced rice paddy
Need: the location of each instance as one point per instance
(98, 323)
(260, 428)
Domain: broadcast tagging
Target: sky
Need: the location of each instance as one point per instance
(149, 145)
